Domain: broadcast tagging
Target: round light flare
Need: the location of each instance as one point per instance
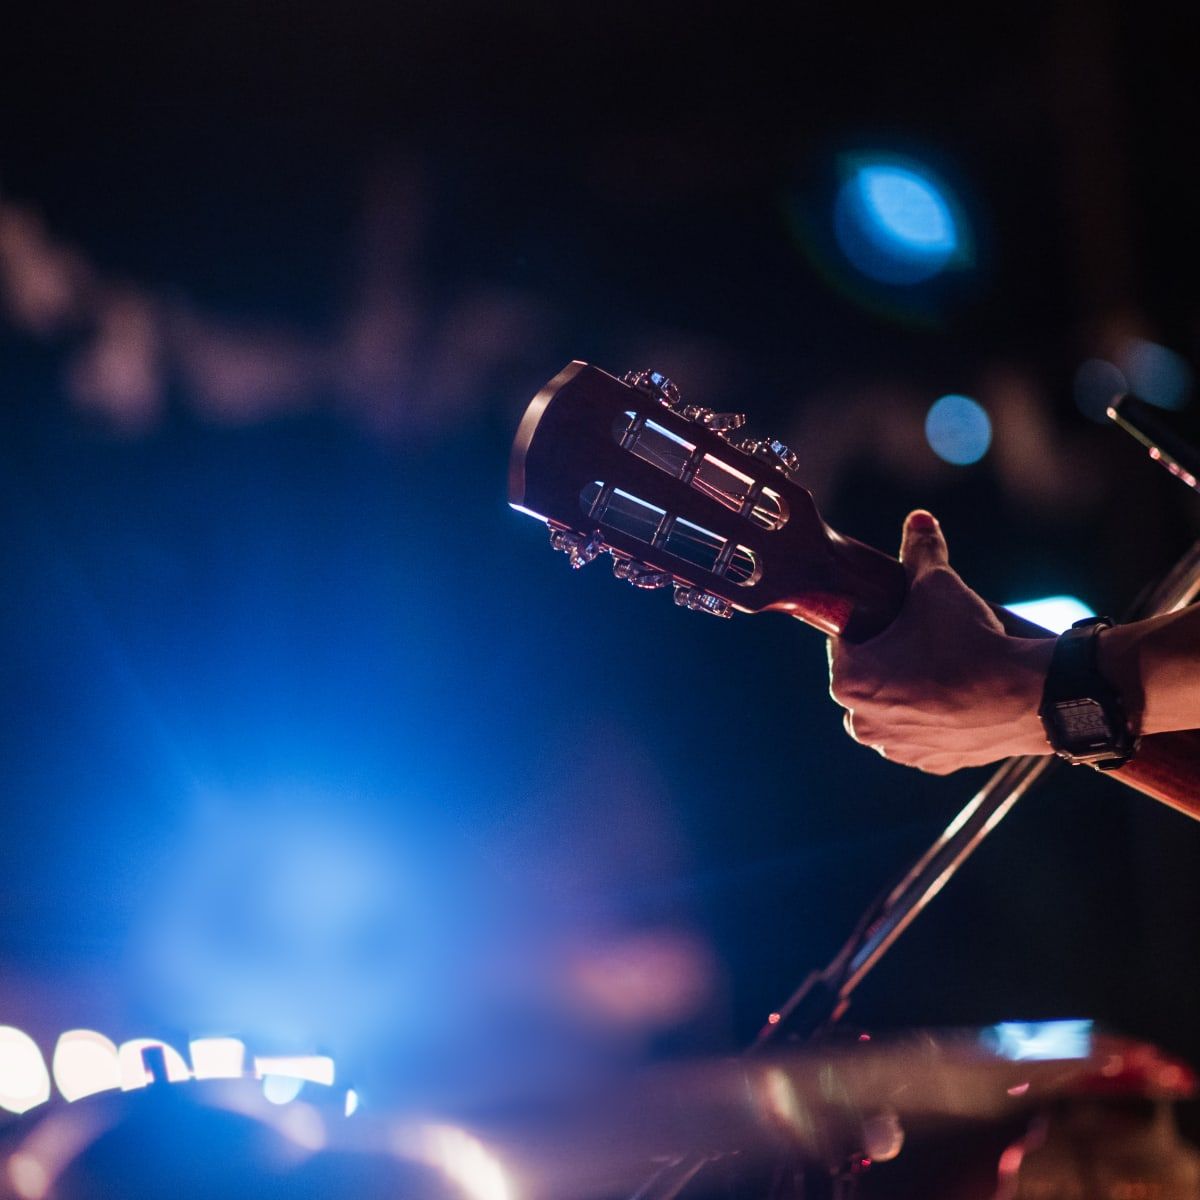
(958, 430)
(85, 1062)
(895, 223)
(24, 1080)
(907, 208)
(281, 1089)
(27, 1176)
(1156, 374)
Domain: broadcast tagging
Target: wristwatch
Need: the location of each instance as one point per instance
(1081, 711)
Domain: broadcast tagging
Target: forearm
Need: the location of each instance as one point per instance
(1155, 665)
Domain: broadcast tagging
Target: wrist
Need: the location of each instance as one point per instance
(1030, 661)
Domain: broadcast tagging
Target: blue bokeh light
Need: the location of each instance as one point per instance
(895, 223)
(958, 430)
(1156, 374)
(281, 1089)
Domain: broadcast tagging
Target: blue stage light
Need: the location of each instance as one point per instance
(895, 223)
(958, 430)
(1055, 613)
(281, 1089)
(1157, 375)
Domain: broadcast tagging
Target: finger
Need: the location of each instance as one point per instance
(922, 547)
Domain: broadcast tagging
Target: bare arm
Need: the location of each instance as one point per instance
(945, 687)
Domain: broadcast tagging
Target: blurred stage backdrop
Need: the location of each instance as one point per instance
(309, 740)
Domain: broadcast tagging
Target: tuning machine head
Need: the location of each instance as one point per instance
(580, 550)
(641, 574)
(698, 600)
(773, 451)
(666, 392)
(654, 383)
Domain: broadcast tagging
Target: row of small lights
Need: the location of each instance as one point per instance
(85, 1063)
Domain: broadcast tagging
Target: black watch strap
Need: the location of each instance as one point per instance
(1081, 711)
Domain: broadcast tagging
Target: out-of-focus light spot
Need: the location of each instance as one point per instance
(459, 1156)
(281, 1089)
(217, 1058)
(958, 430)
(24, 1080)
(302, 1125)
(1054, 613)
(85, 1062)
(894, 222)
(650, 979)
(1040, 1041)
(134, 1073)
(28, 1176)
(351, 1102)
(1157, 375)
(316, 1068)
(1096, 385)
(780, 1102)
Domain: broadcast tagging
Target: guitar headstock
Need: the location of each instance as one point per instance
(680, 498)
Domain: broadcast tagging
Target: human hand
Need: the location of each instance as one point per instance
(943, 686)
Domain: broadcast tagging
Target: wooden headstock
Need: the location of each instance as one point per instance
(678, 497)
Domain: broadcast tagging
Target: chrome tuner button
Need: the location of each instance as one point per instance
(724, 423)
(578, 549)
(698, 600)
(640, 574)
(652, 383)
(785, 459)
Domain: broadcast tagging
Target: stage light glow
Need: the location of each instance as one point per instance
(302, 1125)
(85, 1062)
(894, 222)
(1054, 613)
(1040, 1041)
(217, 1058)
(134, 1073)
(351, 1102)
(316, 1068)
(1157, 375)
(24, 1080)
(281, 1089)
(1096, 385)
(958, 430)
(28, 1176)
(462, 1158)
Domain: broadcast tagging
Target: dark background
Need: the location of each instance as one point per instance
(262, 549)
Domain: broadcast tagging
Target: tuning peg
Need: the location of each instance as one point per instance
(654, 384)
(576, 547)
(698, 600)
(724, 423)
(772, 451)
(784, 457)
(640, 574)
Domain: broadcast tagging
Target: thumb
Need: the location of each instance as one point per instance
(922, 547)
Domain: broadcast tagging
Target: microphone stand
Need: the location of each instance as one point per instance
(824, 996)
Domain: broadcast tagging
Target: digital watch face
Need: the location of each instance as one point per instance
(1082, 725)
